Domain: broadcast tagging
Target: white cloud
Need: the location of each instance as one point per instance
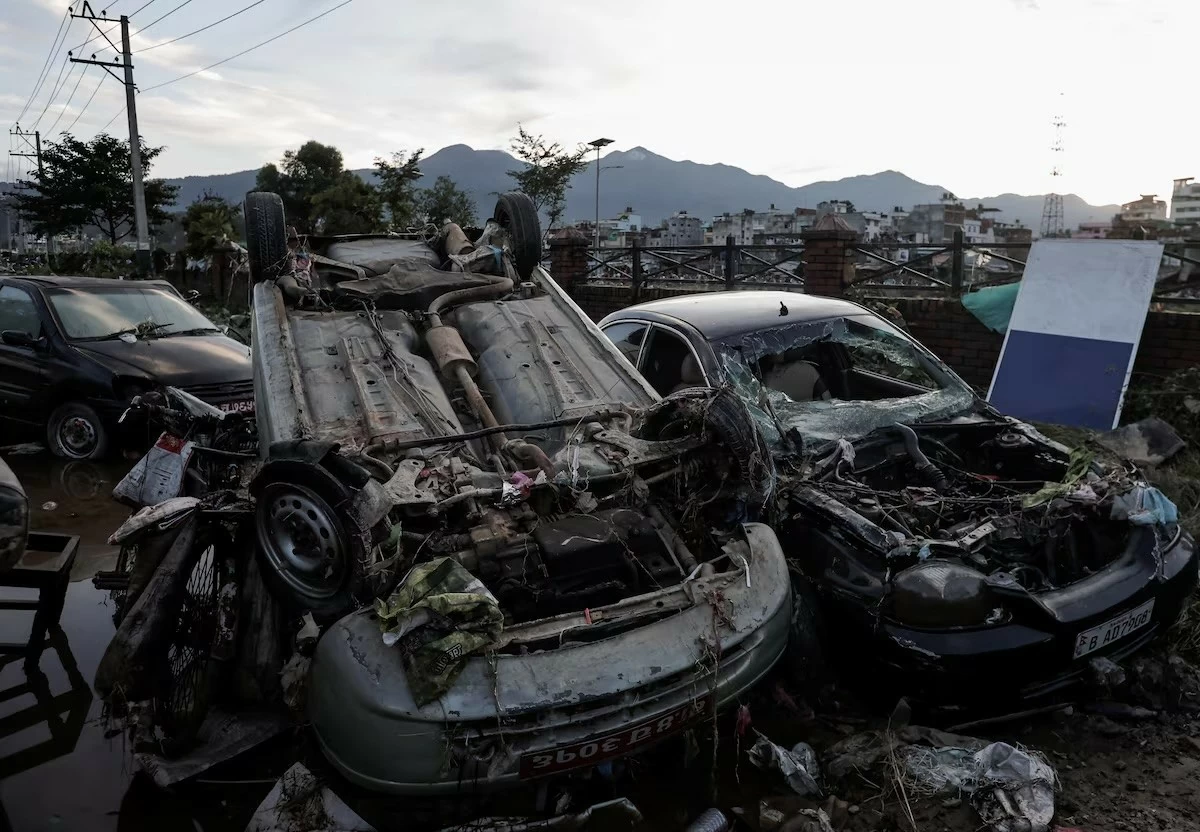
(952, 93)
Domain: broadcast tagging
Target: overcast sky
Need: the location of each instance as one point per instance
(959, 93)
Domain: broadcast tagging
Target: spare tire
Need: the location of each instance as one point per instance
(516, 214)
(266, 235)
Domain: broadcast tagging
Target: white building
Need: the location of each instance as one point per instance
(762, 227)
(1185, 202)
(1146, 209)
(680, 229)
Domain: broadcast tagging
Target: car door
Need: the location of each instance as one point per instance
(23, 374)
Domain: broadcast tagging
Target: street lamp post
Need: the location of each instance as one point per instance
(598, 143)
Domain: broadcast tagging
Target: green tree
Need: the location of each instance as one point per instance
(547, 172)
(91, 183)
(208, 223)
(319, 194)
(444, 202)
(348, 206)
(397, 186)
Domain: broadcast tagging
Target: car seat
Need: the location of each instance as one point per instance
(800, 381)
(690, 374)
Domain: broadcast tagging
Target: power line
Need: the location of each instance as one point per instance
(88, 104)
(113, 28)
(70, 98)
(111, 120)
(55, 46)
(252, 48)
(58, 85)
(168, 14)
(201, 29)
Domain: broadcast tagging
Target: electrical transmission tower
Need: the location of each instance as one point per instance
(1052, 209)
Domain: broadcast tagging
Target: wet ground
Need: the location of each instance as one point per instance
(62, 768)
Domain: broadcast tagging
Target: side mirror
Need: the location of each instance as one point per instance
(16, 338)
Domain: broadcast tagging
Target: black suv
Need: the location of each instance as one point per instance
(75, 350)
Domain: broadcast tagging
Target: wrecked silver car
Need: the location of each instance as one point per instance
(530, 560)
(957, 552)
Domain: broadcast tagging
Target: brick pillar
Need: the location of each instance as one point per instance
(829, 256)
(568, 258)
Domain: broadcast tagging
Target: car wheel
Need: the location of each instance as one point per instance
(266, 236)
(516, 214)
(309, 558)
(76, 432)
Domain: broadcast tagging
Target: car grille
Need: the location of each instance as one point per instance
(226, 391)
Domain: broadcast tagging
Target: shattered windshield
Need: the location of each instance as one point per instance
(838, 379)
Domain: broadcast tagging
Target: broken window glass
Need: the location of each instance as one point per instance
(840, 378)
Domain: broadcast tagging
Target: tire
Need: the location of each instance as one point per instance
(299, 504)
(516, 214)
(730, 419)
(189, 678)
(75, 431)
(266, 236)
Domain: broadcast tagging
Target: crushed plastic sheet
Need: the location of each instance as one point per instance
(1012, 789)
(798, 767)
(1145, 505)
(301, 802)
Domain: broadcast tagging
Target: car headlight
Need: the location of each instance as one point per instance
(941, 594)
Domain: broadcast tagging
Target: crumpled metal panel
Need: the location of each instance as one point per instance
(539, 361)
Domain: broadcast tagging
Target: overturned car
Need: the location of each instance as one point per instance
(936, 543)
(530, 561)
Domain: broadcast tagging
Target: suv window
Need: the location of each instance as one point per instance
(628, 337)
(18, 312)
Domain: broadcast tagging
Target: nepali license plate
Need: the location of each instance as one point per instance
(616, 744)
(1113, 629)
(246, 406)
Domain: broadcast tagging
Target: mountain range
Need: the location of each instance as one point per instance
(656, 187)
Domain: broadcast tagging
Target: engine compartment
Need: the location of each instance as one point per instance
(981, 494)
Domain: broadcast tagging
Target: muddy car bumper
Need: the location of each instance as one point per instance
(523, 716)
(1034, 655)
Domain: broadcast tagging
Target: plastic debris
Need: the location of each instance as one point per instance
(799, 766)
(307, 635)
(22, 449)
(1106, 673)
(439, 616)
(49, 505)
(1145, 505)
(711, 820)
(300, 801)
(1148, 442)
(1012, 789)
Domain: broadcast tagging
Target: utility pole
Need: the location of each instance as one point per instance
(36, 147)
(142, 259)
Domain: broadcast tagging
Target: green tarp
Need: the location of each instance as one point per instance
(993, 305)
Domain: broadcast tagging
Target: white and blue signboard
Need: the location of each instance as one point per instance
(1074, 331)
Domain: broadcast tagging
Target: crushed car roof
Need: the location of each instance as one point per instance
(718, 315)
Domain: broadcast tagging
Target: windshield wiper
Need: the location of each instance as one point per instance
(197, 330)
(142, 330)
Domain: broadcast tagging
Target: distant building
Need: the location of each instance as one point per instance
(935, 222)
(1092, 230)
(1185, 202)
(768, 227)
(681, 229)
(628, 221)
(1147, 209)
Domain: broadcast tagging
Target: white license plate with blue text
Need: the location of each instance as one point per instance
(1114, 629)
